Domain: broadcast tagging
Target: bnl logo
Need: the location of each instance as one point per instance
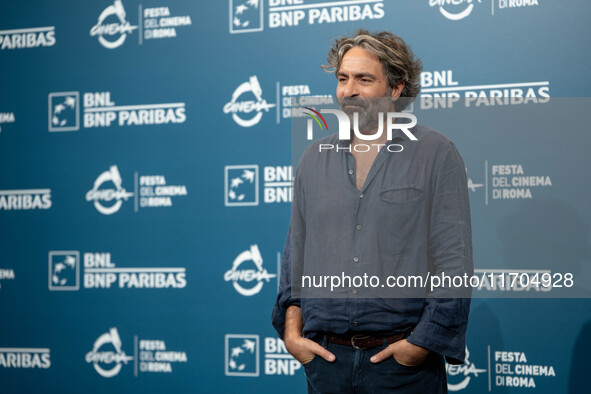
(345, 124)
(242, 355)
(241, 185)
(64, 270)
(246, 16)
(64, 113)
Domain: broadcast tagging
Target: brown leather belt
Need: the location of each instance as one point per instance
(363, 341)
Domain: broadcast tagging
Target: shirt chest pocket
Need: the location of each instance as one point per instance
(402, 213)
(405, 195)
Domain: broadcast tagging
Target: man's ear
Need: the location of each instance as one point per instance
(397, 90)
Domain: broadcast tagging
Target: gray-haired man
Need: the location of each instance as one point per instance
(372, 209)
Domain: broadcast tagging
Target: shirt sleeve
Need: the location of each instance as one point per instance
(285, 295)
(443, 323)
(284, 298)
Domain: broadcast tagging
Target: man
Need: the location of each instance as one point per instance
(376, 210)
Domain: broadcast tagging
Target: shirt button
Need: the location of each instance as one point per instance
(354, 291)
(358, 227)
(350, 172)
(355, 324)
(361, 195)
(356, 259)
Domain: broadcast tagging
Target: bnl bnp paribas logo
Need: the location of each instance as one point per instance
(25, 358)
(31, 37)
(242, 356)
(64, 270)
(242, 185)
(247, 15)
(100, 110)
(64, 114)
(99, 271)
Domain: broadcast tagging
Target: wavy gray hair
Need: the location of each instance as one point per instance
(398, 61)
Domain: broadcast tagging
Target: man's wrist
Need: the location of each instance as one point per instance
(293, 324)
(418, 349)
(292, 335)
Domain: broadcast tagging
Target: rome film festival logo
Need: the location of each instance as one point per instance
(108, 357)
(245, 276)
(119, 28)
(63, 111)
(100, 196)
(464, 370)
(242, 355)
(456, 9)
(246, 16)
(241, 109)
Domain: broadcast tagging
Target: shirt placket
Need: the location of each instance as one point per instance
(357, 262)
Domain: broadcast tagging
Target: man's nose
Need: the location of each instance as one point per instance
(351, 88)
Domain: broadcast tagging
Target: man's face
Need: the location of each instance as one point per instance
(361, 78)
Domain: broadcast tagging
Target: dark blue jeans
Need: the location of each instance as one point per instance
(352, 372)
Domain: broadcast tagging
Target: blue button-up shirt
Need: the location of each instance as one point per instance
(412, 217)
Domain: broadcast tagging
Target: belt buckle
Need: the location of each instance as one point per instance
(358, 336)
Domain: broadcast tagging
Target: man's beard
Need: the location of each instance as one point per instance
(368, 110)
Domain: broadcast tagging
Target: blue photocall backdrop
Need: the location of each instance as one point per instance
(145, 182)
